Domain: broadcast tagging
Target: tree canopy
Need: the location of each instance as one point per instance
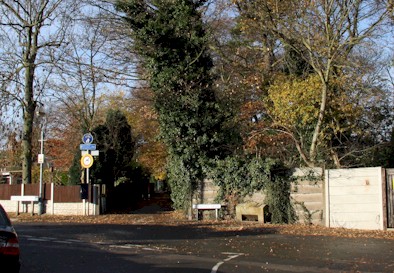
(302, 40)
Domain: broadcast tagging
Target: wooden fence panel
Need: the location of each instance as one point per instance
(32, 189)
(62, 194)
(7, 190)
(46, 191)
(67, 194)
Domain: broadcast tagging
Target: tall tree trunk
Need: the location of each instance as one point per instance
(28, 117)
(29, 108)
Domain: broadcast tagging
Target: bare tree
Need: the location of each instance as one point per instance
(31, 32)
(93, 65)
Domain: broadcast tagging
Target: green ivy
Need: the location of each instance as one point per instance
(239, 176)
(278, 200)
(180, 179)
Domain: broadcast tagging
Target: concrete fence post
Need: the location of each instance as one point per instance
(52, 198)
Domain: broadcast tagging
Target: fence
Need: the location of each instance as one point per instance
(356, 198)
(361, 198)
(59, 200)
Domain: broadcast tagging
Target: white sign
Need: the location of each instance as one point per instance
(93, 153)
(40, 158)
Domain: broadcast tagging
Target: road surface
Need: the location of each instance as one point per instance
(82, 248)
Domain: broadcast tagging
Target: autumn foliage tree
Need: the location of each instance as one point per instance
(150, 150)
(322, 38)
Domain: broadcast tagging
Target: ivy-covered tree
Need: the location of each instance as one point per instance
(170, 38)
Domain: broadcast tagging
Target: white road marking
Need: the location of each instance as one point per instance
(48, 238)
(63, 242)
(51, 239)
(230, 257)
(216, 267)
(38, 239)
(74, 241)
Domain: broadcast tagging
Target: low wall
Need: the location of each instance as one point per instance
(60, 200)
(307, 195)
(10, 206)
(75, 208)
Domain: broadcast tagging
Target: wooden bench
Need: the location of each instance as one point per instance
(25, 198)
(215, 207)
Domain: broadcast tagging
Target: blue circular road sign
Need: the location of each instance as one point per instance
(87, 138)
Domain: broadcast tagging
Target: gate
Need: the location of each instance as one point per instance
(390, 197)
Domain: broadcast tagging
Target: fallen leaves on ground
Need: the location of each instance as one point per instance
(172, 218)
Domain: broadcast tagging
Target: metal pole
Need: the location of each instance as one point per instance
(87, 182)
(40, 202)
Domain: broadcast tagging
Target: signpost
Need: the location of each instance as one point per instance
(87, 159)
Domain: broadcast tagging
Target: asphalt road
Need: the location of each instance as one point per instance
(77, 248)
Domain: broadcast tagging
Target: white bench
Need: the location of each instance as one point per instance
(215, 207)
(25, 198)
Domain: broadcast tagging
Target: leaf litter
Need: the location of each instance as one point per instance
(174, 218)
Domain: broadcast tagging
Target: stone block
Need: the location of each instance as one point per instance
(252, 211)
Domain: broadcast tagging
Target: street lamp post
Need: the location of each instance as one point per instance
(41, 115)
